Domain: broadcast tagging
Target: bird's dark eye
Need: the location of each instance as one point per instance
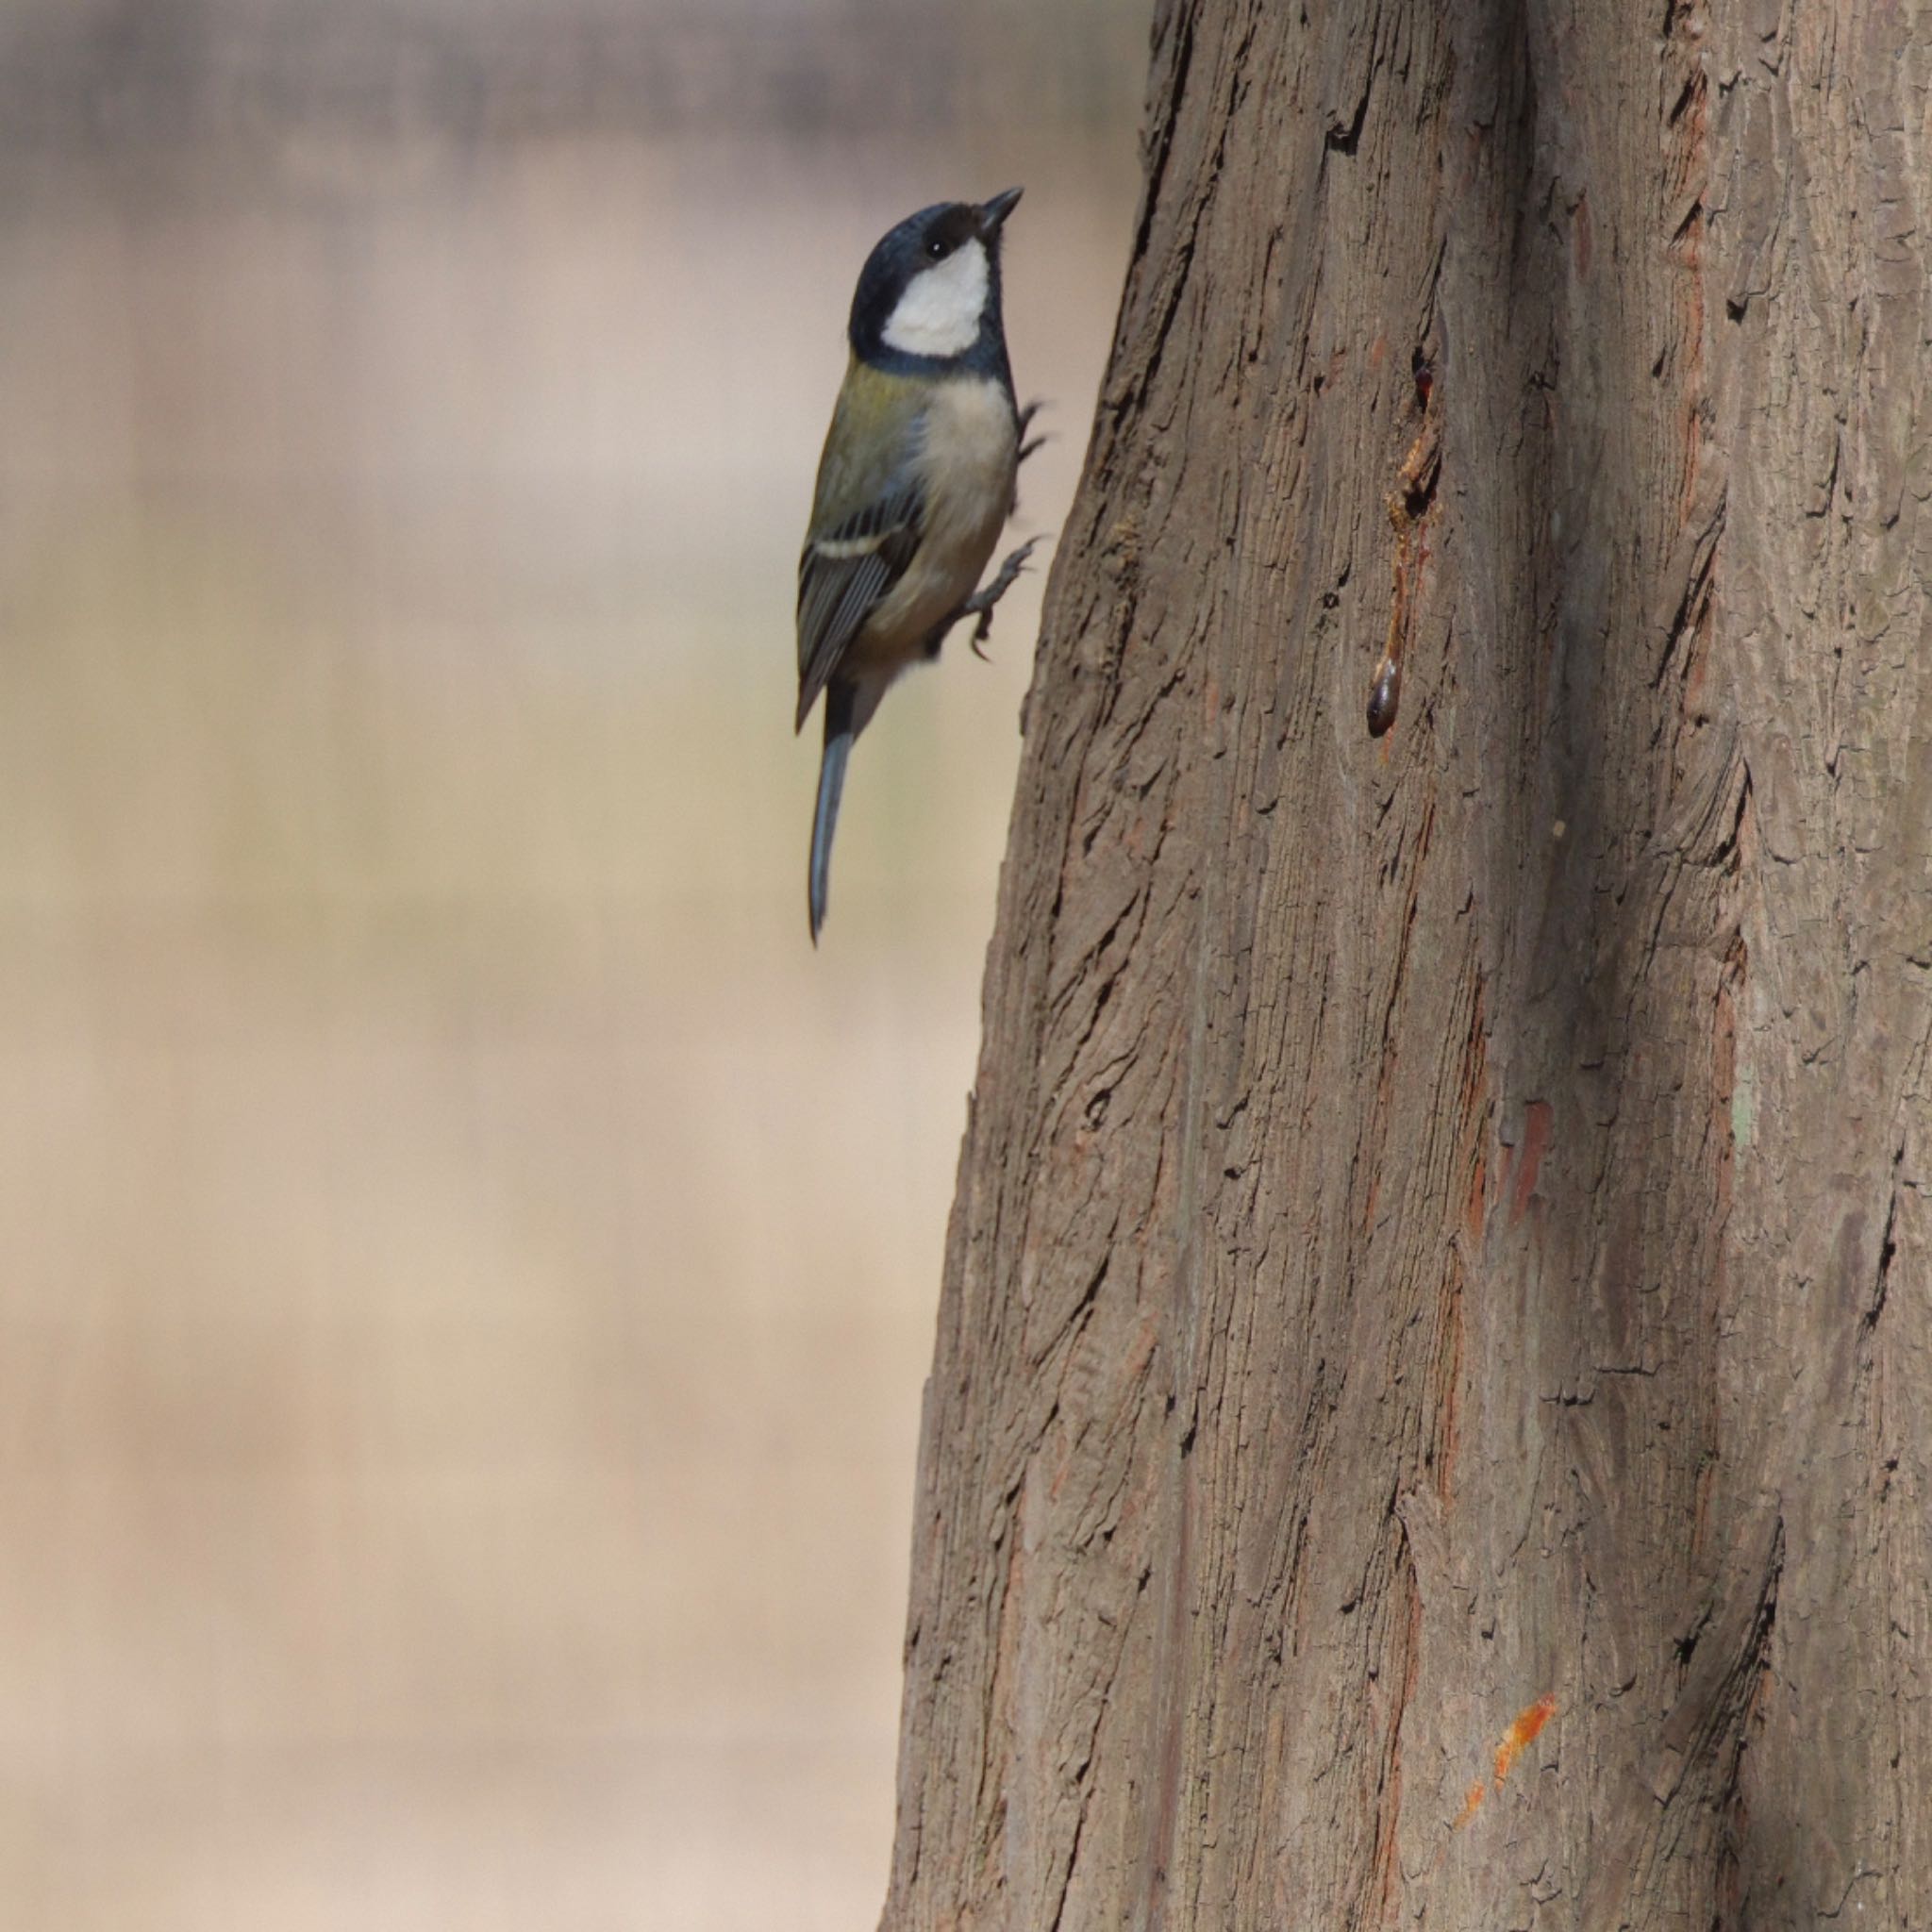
(936, 249)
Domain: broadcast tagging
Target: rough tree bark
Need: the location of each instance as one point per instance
(1432, 1415)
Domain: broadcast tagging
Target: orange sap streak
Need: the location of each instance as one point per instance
(1521, 1733)
(1515, 1740)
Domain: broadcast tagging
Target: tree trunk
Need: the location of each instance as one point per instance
(1432, 1414)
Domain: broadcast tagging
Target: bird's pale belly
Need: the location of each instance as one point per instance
(968, 499)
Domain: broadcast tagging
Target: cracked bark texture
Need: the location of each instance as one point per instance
(1429, 1419)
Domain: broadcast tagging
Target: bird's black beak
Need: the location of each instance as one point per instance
(992, 213)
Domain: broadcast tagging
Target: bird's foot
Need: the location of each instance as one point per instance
(1028, 445)
(982, 601)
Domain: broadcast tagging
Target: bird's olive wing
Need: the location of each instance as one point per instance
(868, 514)
(844, 573)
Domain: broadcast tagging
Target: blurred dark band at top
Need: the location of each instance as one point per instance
(107, 75)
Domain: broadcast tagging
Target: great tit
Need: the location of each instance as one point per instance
(915, 482)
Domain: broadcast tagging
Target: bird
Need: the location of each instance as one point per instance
(917, 479)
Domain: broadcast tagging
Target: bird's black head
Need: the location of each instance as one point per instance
(929, 296)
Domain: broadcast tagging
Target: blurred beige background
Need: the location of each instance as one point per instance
(466, 1266)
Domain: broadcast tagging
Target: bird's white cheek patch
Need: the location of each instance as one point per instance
(939, 313)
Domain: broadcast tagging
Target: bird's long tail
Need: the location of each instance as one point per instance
(840, 732)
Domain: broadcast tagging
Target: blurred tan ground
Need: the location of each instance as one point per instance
(466, 1266)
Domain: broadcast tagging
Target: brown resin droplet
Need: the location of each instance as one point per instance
(1384, 695)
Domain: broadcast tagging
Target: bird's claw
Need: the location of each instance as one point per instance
(981, 603)
(1029, 444)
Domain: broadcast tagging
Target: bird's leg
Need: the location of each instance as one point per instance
(981, 602)
(1028, 445)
